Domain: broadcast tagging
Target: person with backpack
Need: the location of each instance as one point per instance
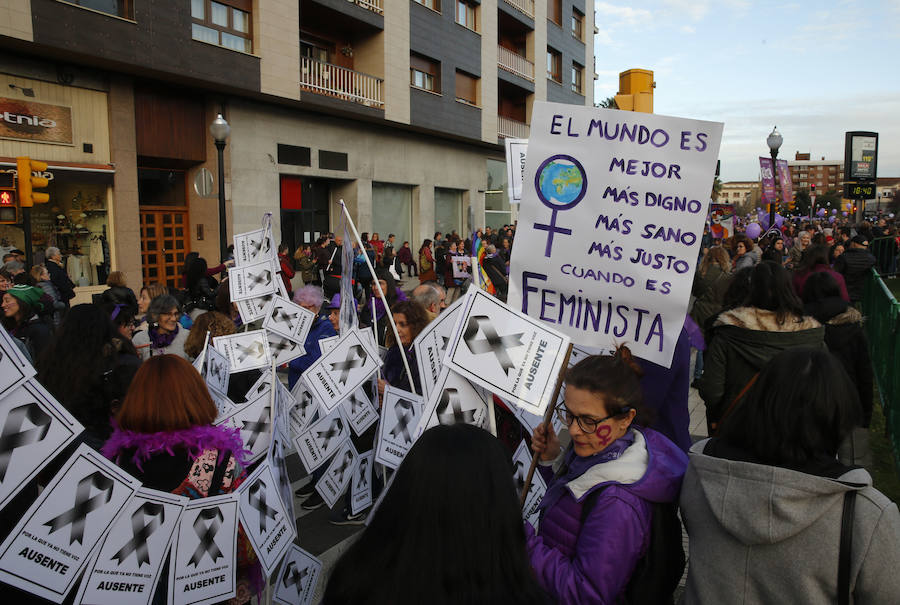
(597, 513)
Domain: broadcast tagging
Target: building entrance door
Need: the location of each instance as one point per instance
(164, 244)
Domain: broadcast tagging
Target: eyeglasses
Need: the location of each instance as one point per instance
(173, 314)
(587, 424)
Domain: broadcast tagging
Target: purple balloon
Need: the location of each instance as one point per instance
(830, 219)
(753, 230)
(844, 213)
(779, 220)
(833, 211)
(820, 212)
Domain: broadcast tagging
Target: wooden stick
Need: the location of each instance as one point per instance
(548, 415)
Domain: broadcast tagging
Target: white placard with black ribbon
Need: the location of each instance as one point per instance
(254, 246)
(245, 350)
(506, 352)
(284, 403)
(51, 544)
(361, 487)
(359, 411)
(203, 566)
(35, 429)
(304, 411)
(338, 474)
(431, 344)
(400, 413)
(327, 343)
(454, 400)
(253, 309)
(341, 370)
(283, 349)
(216, 371)
(254, 421)
(288, 319)
(322, 439)
(297, 578)
(126, 568)
(14, 368)
(265, 520)
(521, 463)
(278, 464)
(253, 281)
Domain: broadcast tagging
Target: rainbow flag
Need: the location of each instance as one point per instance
(479, 250)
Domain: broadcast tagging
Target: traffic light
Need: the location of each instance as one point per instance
(25, 166)
(9, 209)
(792, 204)
(636, 90)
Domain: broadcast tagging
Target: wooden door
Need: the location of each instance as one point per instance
(164, 244)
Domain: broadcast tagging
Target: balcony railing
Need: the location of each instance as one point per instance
(335, 81)
(523, 6)
(514, 63)
(376, 6)
(507, 128)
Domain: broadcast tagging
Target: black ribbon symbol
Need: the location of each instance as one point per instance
(520, 476)
(345, 464)
(206, 526)
(84, 505)
(261, 245)
(492, 342)
(141, 532)
(355, 405)
(294, 577)
(280, 316)
(256, 427)
(403, 411)
(255, 349)
(363, 467)
(356, 357)
(282, 344)
(216, 372)
(13, 436)
(333, 431)
(263, 279)
(303, 406)
(450, 410)
(257, 499)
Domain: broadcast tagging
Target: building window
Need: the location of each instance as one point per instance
(577, 25)
(448, 210)
(577, 78)
(119, 8)
(554, 11)
(392, 212)
(466, 88)
(224, 23)
(554, 65)
(434, 5)
(465, 14)
(424, 73)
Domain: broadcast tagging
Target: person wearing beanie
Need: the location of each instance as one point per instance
(21, 305)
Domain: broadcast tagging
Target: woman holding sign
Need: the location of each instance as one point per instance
(596, 513)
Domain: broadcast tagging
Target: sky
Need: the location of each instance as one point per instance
(814, 69)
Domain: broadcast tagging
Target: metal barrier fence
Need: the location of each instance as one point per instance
(885, 251)
(882, 312)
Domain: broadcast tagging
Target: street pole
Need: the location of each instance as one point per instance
(223, 232)
(774, 154)
(26, 230)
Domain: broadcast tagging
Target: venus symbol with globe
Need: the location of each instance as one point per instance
(560, 183)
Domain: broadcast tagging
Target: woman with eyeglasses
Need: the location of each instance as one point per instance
(596, 513)
(164, 334)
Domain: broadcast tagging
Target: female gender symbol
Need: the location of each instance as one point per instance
(563, 166)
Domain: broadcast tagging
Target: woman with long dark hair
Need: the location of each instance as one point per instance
(200, 288)
(427, 270)
(410, 318)
(710, 284)
(448, 532)
(763, 503)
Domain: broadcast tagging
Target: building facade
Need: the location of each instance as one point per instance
(744, 195)
(397, 107)
(824, 174)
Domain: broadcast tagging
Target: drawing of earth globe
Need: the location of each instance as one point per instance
(560, 182)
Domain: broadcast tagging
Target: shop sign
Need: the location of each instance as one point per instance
(30, 121)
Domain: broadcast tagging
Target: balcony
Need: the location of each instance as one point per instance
(516, 64)
(507, 128)
(334, 81)
(376, 6)
(523, 6)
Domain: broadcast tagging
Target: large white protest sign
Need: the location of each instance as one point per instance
(297, 578)
(14, 368)
(431, 344)
(453, 400)
(359, 412)
(338, 474)
(341, 370)
(400, 413)
(254, 421)
(51, 544)
(254, 246)
(245, 350)
(516, 152)
(204, 552)
(265, 520)
(361, 486)
(216, 371)
(319, 442)
(289, 319)
(521, 463)
(253, 281)
(35, 429)
(127, 566)
(609, 229)
(506, 352)
(304, 411)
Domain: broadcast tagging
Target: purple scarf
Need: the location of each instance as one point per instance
(193, 440)
(161, 341)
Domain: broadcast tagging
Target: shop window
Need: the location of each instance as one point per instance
(466, 14)
(554, 11)
(119, 8)
(466, 88)
(554, 64)
(577, 24)
(392, 213)
(497, 211)
(434, 5)
(224, 23)
(448, 210)
(577, 78)
(424, 73)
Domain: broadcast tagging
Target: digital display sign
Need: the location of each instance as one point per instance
(859, 191)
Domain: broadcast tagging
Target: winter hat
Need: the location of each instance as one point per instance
(860, 239)
(335, 302)
(29, 295)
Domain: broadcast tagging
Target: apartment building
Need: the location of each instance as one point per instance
(744, 194)
(398, 107)
(824, 174)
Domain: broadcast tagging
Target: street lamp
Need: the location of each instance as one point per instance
(774, 141)
(220, 129)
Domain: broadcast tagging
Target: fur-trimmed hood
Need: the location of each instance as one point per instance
(751, 318)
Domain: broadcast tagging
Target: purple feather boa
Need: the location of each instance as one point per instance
(193, 440)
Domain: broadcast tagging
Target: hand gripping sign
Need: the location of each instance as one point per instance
(204, 552)
(264, 518)
(506, 352)
(340, 371)
(126, 568)
(400, 413)
(296, 580)
(51, 544)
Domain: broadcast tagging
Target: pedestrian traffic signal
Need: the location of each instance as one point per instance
(9, 209)
(792, 204)
(25, 167)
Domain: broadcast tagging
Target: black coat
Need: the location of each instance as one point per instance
(854, 265)
(61, 280)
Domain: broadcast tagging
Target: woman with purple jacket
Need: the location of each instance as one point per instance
(588, 556)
